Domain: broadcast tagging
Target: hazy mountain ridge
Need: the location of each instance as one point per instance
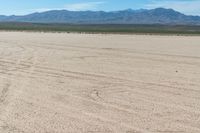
(129, 16)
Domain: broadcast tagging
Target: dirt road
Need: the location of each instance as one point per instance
(84, 83)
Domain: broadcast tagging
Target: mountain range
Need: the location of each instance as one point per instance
(129, 16)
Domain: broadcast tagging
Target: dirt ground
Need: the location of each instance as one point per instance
(87, 83)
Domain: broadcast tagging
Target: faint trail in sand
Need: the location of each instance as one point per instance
(77, 83)
(4, 93)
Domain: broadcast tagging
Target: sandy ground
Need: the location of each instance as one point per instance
(81, 83)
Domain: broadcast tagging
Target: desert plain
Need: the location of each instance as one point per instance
(99, 83)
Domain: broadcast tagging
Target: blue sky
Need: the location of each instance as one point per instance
(21, 7)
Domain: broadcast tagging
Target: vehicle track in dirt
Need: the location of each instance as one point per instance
(59, 82)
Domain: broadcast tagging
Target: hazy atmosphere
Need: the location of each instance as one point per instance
(22, 7)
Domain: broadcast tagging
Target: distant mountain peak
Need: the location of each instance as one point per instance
(129, 10)
(161, 8)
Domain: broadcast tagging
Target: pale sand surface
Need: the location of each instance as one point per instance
(86, 83)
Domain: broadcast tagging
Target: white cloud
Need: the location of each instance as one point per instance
(75, 7)
(45, 9)
(83, 6)
(185, 6)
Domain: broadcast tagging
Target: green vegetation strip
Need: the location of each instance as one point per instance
(105, 28)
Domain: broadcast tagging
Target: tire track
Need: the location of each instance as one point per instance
(4, 92)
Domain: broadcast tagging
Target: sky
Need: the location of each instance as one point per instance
(22, 7)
